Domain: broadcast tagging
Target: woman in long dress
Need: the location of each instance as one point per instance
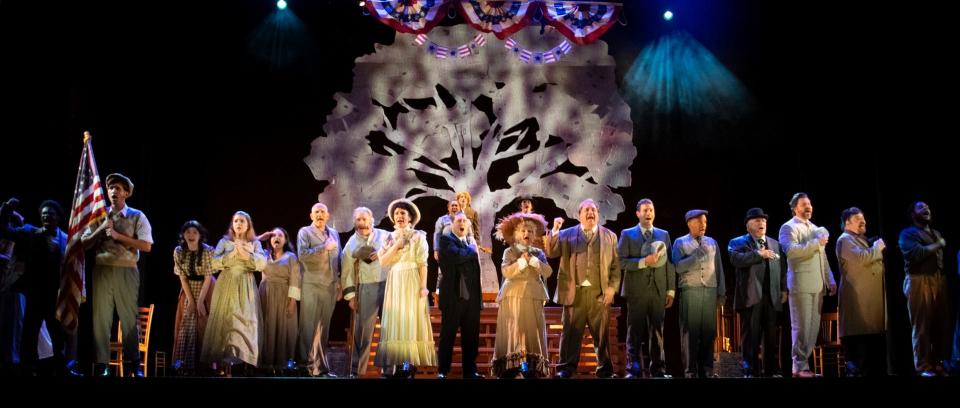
(233, 330)
(406, 335)
(192, 263)
(521, 342)
(279, 293)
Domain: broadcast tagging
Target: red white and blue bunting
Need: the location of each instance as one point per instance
(581, 22)
(538, 57)
(409, 16)
(444, 52)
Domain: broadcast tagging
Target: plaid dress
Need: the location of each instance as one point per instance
(188, 329)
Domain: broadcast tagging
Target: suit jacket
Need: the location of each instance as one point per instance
(921, 255)
(561, 246)
(628, 249)
(748, 265)
(457, 260)
(807, 268)
(862, 309)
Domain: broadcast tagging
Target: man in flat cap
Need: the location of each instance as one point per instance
(649, 284)
(761, 289)
(808, 278)
(117, 241)
(702, 289)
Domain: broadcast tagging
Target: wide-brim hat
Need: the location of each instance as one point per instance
(120, 178)
(508, 225)
(411, 208)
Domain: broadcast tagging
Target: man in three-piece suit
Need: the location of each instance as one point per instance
(808, 278)
(586, 284)
(761, 289)
(460, 298)
(649, 284)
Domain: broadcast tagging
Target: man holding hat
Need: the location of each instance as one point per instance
(761, 289)
(808, 278)
(117, 242)
(649, 284)
(702, 288)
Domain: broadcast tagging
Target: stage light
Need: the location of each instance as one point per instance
(363, 3)
(282, 5)
(668, 15)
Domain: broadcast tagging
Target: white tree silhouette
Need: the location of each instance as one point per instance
(416, 126)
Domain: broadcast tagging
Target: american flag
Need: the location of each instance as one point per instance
(421, 38)
(463, 51)
(89, 208)
(565, 47)
(549, 57)
(510, 44)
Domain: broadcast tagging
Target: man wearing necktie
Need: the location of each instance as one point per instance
(649, 285)
(760, 291)
(586, 284)
(702, 289)
(460, 298)
(808, 278)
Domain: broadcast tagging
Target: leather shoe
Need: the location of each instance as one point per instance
(473, 376)
(442, 376)
(562, 374)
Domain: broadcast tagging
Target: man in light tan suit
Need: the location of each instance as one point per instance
(589, 277)
(863, 318)
(808, 278)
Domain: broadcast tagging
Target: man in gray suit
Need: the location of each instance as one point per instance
(649, 284)
(318, 247)
(586, 284)
(808, 278)
(761, 290)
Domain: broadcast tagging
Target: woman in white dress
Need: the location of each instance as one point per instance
(406, 335)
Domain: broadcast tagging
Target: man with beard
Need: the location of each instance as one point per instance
(586, 284)
(808, 278)
(460, 298)
(363, 281)
(926, 288)
(118, 241)
(863, 317)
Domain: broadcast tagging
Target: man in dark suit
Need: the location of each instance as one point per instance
(460, 297)
(649, 284)
(761, 290)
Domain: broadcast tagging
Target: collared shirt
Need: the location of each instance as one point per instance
(369, 273)
(319, 264)
(696, 270)
(443, 226)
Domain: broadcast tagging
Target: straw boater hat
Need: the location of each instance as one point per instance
(509, 224)
(407, 205)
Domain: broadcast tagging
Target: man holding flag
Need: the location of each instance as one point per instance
(117, 239)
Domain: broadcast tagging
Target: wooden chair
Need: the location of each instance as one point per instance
(144, 321)
(828, 352)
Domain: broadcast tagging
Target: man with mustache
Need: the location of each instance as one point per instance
(761, 291)
(318, 246)
(460, 298)
(363, 281)
(808, 278)
(588, 279)
(649, 284)
(702, 289)
(926, 288)
(118, 242)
